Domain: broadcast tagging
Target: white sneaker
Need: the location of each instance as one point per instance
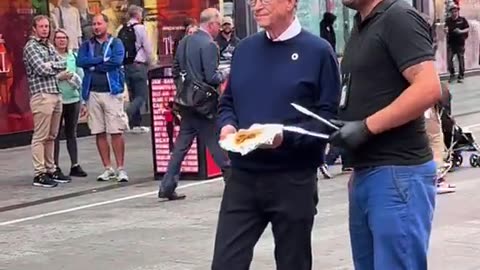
(122, 176)
(444, 187)
(139, 130)
(144, 129)
(107, 175)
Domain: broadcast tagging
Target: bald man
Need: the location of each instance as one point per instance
(197, 58)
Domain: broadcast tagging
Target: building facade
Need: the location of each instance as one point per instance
(164, 20)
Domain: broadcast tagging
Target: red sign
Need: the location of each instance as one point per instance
(163, 91)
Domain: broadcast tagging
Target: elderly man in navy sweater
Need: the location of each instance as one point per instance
(276, 184)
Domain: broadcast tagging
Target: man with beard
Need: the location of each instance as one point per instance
(227, 40)
(103, 84)
(389, 80)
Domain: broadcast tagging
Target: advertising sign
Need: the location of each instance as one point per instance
(163, 91)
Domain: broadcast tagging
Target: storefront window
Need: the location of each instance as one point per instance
(15, 28)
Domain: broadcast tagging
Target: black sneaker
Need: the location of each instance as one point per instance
(460, 79)
(43, 180)
(59, 177)
(171, 197)
(77, 171)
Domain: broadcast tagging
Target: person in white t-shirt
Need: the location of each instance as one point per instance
(68, 18)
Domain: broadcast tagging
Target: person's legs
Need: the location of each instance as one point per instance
(57, 139)
(42, 116)
(183, 142)
(450, 65)
(139, 89)
(118, 146)
(461, 63)
(170, 129)
(56, 103)
(97, 124)
(104, 150)
(400, 207)
(54, 172)
(332, 155)
(116, 124)
(292, 210)
(71, 114)
(240, 223)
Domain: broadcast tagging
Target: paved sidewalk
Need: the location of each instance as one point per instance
(16, 170)
(466, 96)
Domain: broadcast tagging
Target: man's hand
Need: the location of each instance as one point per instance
(83, 111)
(457, 31)
(351, 134)
(226, 130)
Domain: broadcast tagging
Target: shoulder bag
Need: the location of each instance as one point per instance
(194, 94)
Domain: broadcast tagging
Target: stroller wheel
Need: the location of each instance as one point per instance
(457, 160)
(474, 162)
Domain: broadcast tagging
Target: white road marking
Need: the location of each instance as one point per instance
(475, 126)
(69, 210)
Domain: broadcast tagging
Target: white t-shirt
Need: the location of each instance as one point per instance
(70, 17)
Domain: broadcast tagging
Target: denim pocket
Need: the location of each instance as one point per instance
(402, 181)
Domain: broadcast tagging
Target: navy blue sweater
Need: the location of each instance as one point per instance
(265, 78)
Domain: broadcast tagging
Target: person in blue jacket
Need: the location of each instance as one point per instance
(102, 92)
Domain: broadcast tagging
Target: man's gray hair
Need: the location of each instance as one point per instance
(209, 14)
(134, 10)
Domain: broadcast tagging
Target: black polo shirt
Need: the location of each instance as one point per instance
(456, 40)
(391, 39)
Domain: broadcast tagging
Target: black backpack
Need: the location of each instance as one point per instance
(128, 38)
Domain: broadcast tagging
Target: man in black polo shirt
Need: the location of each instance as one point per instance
(389, 81)
(457, 32)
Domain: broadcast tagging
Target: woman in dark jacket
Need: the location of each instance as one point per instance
(326, 29)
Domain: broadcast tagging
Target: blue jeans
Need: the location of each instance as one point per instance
(391, 213)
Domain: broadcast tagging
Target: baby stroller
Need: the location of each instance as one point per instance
(457, 141)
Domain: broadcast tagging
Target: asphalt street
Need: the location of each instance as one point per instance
(126, 228)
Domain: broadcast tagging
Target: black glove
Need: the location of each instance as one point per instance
(351, 134)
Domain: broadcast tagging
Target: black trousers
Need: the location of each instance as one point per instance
(192, 126)
(460, 53)
(70, 115)
(250, 202)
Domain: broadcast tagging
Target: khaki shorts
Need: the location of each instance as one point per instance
(106, 113)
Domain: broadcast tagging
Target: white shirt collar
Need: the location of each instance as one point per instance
(292, 31)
